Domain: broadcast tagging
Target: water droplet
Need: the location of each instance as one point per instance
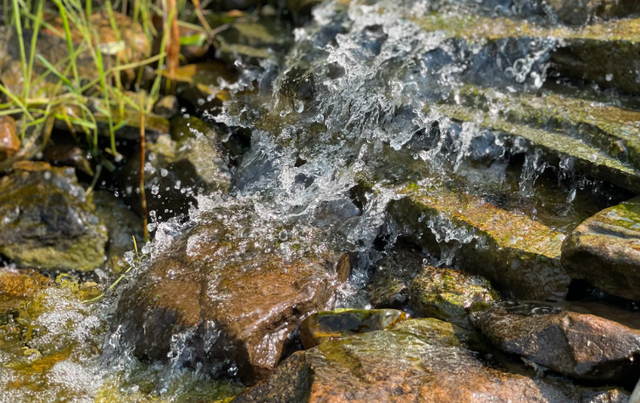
(609, 77)
(283, 236)
(299, 106)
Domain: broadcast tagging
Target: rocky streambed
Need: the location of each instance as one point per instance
(389, 201)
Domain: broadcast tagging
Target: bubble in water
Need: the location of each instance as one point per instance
(164, 172)
(283, 236)
(609, 77)
(299, 106)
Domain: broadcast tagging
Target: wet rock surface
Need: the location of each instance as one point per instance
(516, 254)
(603, 250)
(392, 279)
(9, 141)
(446, 294)
(574, 344)
(47, 221)
(325, 326)
(248, 303)
(402, 365)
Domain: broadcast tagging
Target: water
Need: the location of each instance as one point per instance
(336, 130)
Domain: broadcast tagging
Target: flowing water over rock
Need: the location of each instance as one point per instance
(480, 133)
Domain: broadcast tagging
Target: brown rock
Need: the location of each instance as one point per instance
(574, 344)
(399, 366)
(9, 141)
(391, 282)
(21, 283)
(68, 155)
(228, 305)
(605, 250)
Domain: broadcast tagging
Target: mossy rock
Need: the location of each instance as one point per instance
(519, 256)
(324, 326)
(445, 293)
(47, 221)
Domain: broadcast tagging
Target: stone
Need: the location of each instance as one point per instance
(199, 83)
(400, 366)
(167, 106)
(324, 326)
(604, 250)
(68, 155)
(9, 140)
(445, 294)
(601, 140)
(179, 167)
(392, 278)
(122, 226)
(302, 6)
(519, 256)
(47, 221)
(16, 283)
(232, 307)
(574, 344)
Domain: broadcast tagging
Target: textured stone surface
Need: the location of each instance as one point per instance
(605, 250)
(232, 307)
(9, 141)
(574, 344)
(47, 222)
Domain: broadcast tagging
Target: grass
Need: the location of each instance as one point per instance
(83, 40)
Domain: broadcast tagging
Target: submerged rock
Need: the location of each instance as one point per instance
(179, 167)
(68, 155)
(574, 344)
(519, 256)
(445, 294)
(229, 308)
(324, 326)
(9, 141)
(605, 250)
(47, 222)
(420, 360)
(199, 83)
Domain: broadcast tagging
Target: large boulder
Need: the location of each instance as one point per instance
(574, 344)
(47, 222)
(605, 250)
(416, 362)
(229, 306)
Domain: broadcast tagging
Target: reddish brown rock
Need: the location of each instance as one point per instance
(574, 344)
(407, 365)
(9, 141)
(230, 308)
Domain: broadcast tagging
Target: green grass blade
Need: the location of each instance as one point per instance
(23, 56)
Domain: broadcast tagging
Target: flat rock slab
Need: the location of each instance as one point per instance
(605, 250)
(519, 256)
(232, 308)
(577, 345)
(47, 222)
(419, 363)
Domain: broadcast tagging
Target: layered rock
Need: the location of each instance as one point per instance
(605, 250)
(231, 307)
(519, 256)
(577, 345)
(47, 221)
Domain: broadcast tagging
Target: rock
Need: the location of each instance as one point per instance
(252, 40)
(178, 168)
(225, 5)
(324, 326)
(302, 6)
(47, 222)
(399, 366)
(601, 140)
(605, 250)
(9, 140)
(199, 83)
(445, 294)
(574, 344)
(68, 155)
(391, 281)
(231, 307)
(167, 107)
(21, 283)
(122, 225)
(519, 256)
